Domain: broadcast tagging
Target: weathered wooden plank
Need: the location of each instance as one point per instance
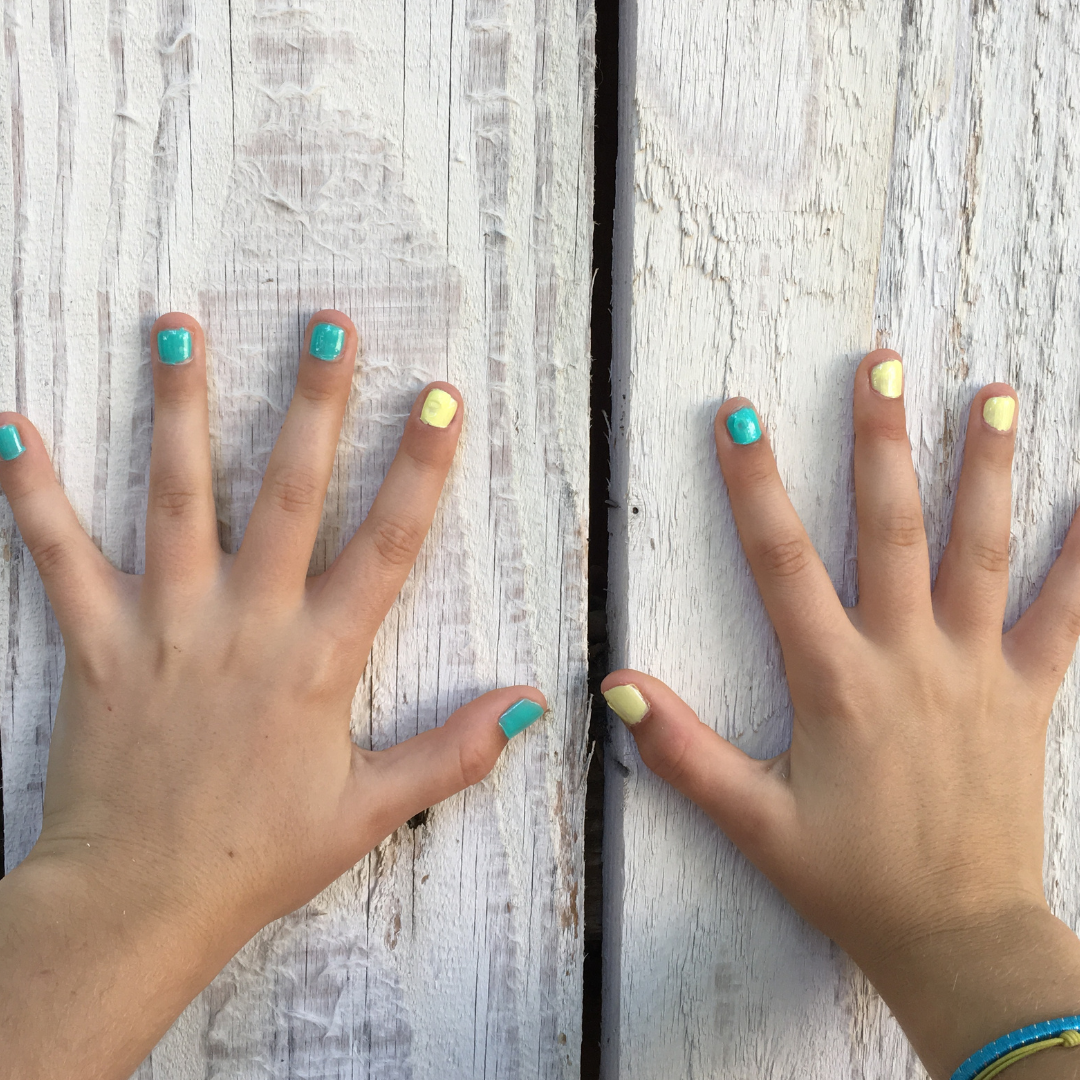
(800, 182)
(427, 168)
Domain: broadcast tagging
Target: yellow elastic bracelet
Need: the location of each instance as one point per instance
(1067, 1039)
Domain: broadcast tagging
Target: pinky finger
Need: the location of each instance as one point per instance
(77, 578)
(1041, 645)
(745, 797)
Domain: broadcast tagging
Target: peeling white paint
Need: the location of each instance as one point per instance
(426, 168)
(802, 181)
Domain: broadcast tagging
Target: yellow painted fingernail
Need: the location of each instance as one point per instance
(998, 412)
(627, 703)
(887, 378)
(439, 409)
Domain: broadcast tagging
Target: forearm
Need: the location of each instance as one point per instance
(89, 979)
(956, 991)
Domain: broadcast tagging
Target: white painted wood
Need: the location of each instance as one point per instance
(800, 181)
(427, 167)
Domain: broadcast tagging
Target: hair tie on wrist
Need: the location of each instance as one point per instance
(994, 1058)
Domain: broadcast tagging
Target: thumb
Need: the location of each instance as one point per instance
(749, 799)
(390, 786)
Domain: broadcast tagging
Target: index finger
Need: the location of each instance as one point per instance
(362, 582)
(795, 586)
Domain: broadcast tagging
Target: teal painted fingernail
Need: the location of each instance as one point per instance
(744, 427)
(327, 341)
(174, 346)
(11, 446)
(519, 716)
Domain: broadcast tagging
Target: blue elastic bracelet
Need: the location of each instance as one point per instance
(990, 1053)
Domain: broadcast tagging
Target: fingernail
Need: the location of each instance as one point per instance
(887, 378)
(744, 427)
(174, 346)
(519, 716)
(998, 412)
(327, 341)
(439, 409)
(627, 703)
(11, 446)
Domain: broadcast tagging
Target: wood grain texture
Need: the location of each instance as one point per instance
(426, 167)
(801, 181)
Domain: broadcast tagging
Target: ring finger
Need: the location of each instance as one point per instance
(358, 588)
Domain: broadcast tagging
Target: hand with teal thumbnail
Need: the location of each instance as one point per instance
(202, 780)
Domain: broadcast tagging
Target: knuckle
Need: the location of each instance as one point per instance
(758, 473)
(93, 665)
(319, 683)
(900, 528)
(317, 391)
(988, 557)
(294, 490)
(173, 496)
(1070, 622)
(396, 542)
(886, 429)
(994, 459)
(431, 456)
(670, 757)
(783, 556)
(838, 679)
(52, 557)
(475, 762)
(174, 391)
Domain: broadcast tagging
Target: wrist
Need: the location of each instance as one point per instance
(74, 947)
(956, 988)
(144, 894)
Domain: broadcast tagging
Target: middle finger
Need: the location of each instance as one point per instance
(276, 549)
(894, 563)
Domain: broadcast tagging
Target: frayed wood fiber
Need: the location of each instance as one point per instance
(427, 168)
(800, 182)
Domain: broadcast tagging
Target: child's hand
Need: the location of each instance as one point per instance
(202, 780)
(906, 819)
